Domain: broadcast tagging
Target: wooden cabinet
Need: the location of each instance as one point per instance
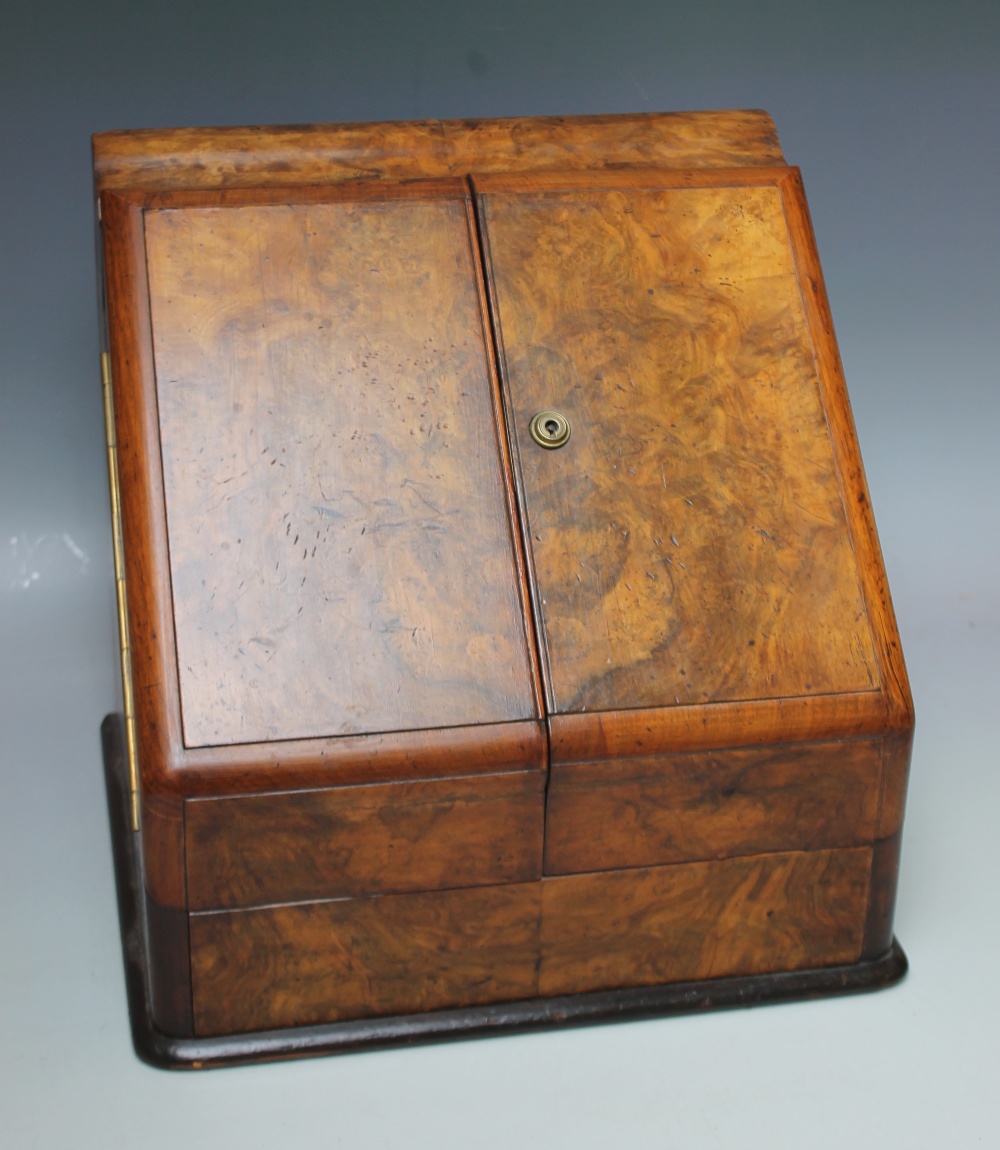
(426, 712)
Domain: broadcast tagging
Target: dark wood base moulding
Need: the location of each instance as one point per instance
(163, 1050)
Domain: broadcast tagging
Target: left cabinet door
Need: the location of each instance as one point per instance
(341, 554)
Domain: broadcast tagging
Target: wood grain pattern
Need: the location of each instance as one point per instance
(702, 920)
(323, 153)
(646, 811)
(348, 719)
(365, 840)
(167, 767)
(343, 761)
(689, 545)
(359, 958)
(588, 736)
(332, 472)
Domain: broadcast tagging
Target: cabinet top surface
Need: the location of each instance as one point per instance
(330, 153)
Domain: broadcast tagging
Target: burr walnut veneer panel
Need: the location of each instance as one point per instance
(331, 469)
(423, 835)
(689, 544)
(703, 920)
(358, 958)
(678, 808)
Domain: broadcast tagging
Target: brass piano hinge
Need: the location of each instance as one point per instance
(116, 535)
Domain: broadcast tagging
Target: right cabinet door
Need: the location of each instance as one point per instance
(688, 544)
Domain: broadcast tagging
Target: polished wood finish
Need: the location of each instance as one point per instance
(689, 544)
(639, 812)
(620, 1005)
(389, 656)
(330, 504)
(319, 962)
(423, 835)
(150, 613)
(355, 958)
(589, 736)
(326, 153)
(702, 920)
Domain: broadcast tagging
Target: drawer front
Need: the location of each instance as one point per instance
(703, 920)
(256, 849)
(716, 804)
(361, 958)
(343, 959)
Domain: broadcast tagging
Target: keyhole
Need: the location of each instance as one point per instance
(550, 429)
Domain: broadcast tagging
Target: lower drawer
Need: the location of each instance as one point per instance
(357, 958)
(293, 965)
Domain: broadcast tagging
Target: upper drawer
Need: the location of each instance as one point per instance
(647, 811)
(341, 841)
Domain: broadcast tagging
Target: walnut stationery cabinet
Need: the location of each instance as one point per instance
(505, 635)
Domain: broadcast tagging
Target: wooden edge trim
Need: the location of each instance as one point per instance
(147, 567)
(882, 896)
(353, 191)
(396, 756)
(515, 522)
(487, 184)
(582, 738)
(837, 406)
(246, 156)
(513, 440)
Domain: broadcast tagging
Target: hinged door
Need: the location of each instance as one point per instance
(688, 541)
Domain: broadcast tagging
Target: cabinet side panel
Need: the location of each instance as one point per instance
(703, 920)
(360, 958)
(719, 804)
(259, 849)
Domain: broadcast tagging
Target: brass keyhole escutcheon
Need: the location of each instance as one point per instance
(550, 429)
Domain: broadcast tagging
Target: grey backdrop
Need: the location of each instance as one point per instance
(892, 112)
